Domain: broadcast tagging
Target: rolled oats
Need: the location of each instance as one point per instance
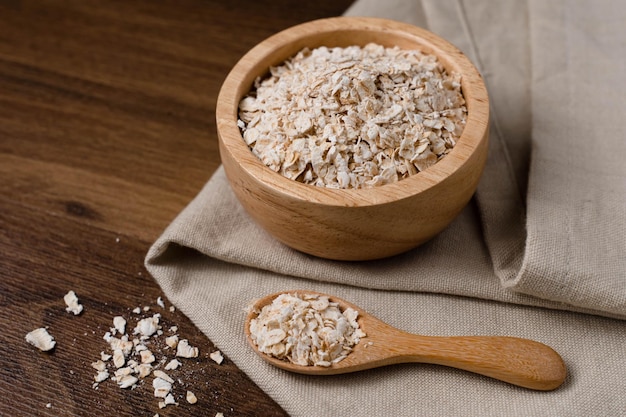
(101, 376)
(169, 399)
(99, 365)
(217, 357)
(119, 323)
(353, 117)
(306, 330)
(160, 374)
(73, 306)
(119, 359)
(172, 365)
(119, 365)
(172, 341)
(191, 397)
(161, 387)
(127, 381)
(185, 350)
(41, 339)
(148, 326)
(147, 356)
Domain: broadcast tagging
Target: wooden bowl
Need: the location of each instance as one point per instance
(353, 224)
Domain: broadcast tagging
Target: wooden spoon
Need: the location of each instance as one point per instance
(518, 361)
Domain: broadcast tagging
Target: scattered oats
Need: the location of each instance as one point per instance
(119, 359)
(146, 308)
(217, 357)
(172, 365)
(160, 374)
(306, 330)
(117, 240)
(147, 356)
(172, 309)
(161, 387)
(120, 324)
(191, 397)
(41, 339)
(127, 381)
(184, 350)
(172, 341)
(73, 306)
(219, 415)
(49, 405)
(353, 117)
(128, 371)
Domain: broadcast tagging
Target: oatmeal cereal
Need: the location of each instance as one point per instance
(172, 365)
(217, 357)
(353, 117)
(148, 326)
(191, 397)
(306, 329)
(71, 301)
(41, 339)
(119, 324)
(185, 350)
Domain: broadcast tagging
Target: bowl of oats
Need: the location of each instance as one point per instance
(353, 138)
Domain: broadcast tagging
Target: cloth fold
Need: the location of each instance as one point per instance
(545, 229)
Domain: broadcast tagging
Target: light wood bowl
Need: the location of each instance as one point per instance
(353, 224)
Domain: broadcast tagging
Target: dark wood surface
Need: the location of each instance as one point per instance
(106, 132)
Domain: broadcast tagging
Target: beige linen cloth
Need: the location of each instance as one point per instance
(539, 253)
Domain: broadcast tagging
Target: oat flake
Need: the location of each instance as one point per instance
(41, 339)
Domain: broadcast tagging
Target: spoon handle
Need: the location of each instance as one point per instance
(522, 362)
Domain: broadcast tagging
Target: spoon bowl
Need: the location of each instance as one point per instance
(515, 360)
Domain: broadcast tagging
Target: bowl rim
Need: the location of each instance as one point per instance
(282, 45)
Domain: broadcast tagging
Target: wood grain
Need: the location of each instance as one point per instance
(106, 132)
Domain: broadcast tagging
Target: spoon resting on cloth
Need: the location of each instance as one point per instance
(518, 361)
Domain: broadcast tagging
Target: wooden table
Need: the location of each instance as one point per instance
(106, 132)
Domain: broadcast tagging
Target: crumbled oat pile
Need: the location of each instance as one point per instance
(306, 329)
(353, 117)
(136, 354)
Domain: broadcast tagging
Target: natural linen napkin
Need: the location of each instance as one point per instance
(545, 230)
